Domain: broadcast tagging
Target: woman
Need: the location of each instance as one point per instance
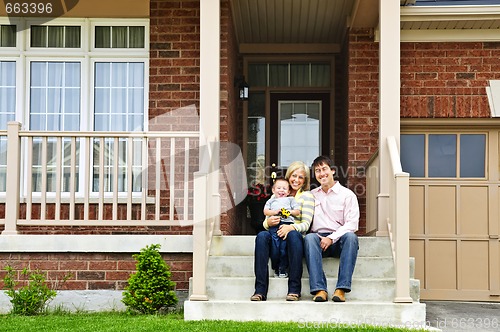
(298, 176)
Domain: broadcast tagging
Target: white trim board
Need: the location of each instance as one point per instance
(493, 93)
(94, 243)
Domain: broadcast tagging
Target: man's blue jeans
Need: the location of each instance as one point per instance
(295, 250)
(346, 248)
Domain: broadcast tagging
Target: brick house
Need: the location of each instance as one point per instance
(107, 139)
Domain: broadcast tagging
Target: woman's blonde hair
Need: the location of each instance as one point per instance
(299, 165)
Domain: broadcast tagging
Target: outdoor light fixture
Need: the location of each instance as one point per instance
(243, 87)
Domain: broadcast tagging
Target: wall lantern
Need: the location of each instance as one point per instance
(243, 87)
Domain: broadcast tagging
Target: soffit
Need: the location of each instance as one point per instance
(450, 18)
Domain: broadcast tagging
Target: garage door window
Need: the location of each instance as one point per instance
(444, 155)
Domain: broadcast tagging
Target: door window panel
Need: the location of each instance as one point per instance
(299, 75)
(289, 74)
(257, 75)
(299, 131)
(256, 150)
(278, 75)
(320, 75)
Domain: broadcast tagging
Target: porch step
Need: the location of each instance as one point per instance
(243, 245)
(242, 266)
(230, 283)
(310, 314)
(363, 289)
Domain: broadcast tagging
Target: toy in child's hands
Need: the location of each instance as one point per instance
(284, 213)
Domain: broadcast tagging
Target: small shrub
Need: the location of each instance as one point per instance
(31, 298)
(150, 289)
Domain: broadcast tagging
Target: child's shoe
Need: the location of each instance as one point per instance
(282, 274)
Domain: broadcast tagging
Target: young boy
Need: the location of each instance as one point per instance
(286, 207)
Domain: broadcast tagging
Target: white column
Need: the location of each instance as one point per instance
(210, 99)
(206, 181)
(389, 106)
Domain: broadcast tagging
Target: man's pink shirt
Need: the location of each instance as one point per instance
(336, 211)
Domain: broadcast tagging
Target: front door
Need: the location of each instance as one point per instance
(298, 129)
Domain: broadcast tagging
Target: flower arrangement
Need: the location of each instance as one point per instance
(258, 192)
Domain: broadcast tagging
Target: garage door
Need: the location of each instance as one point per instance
(454, 211)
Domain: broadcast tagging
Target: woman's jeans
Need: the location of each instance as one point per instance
(346, 248)
(295, 250)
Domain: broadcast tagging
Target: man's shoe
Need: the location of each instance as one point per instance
(321, 296)
(338, 296)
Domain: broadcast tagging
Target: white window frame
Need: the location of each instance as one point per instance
(23, 54)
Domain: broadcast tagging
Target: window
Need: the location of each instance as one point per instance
(119, 37)
(307, 74)
(446, 155)
(7, 111)
(7, 92)
(76, 89)
(55, 36)
(299, 131)
(119, 96)
(55, 96)
(8, 35)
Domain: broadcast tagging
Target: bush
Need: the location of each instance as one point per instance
(150, 289)
(31, 298)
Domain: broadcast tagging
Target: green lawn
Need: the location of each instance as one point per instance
(99, 322)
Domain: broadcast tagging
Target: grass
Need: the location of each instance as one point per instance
(123, 322)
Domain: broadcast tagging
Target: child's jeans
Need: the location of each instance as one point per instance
(278, 254)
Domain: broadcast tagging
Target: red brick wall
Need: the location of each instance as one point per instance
(447, 80)
(362, 111)
(174, 74)
(91, 271)
(231, 113)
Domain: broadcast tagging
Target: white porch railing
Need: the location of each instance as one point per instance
(99, 178)
(398, 223)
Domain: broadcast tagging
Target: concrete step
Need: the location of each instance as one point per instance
(366, 267)
(370, 289)
(308, 314)
(244, 245)
(230, 283)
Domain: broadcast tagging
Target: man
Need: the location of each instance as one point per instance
(336, 218)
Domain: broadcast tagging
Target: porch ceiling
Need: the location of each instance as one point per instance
(299, 21)
(320, 25)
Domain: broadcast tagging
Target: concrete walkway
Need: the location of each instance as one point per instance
(463, 316)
